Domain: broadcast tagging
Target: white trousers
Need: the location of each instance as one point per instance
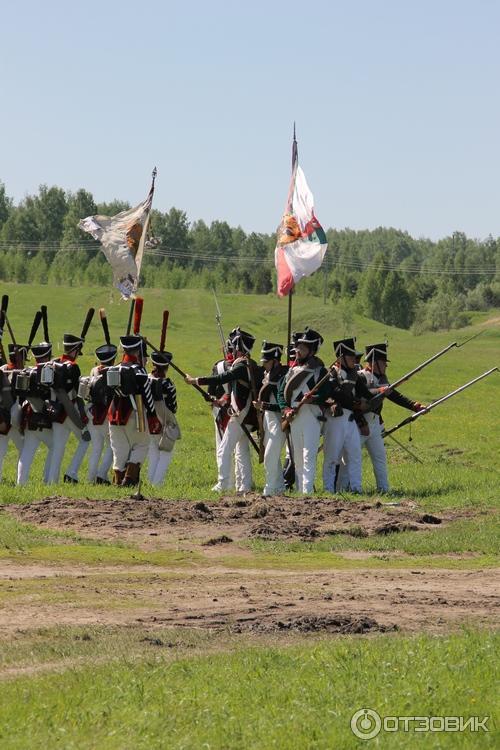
(305, 432)
(60, 437)
(376, 450)
(375, 446)
(158, 461)
(13, 435)
(78, 456)
(341, 439)
(236, 461)
(32, 439)
(234, 439)
(100, 450)
(128, 444)
(274, 441)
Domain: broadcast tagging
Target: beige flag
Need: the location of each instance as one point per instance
(122, 238)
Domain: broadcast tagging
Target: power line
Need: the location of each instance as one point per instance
(206, 258)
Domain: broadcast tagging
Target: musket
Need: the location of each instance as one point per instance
(251, 440)
(376, 400)
(260, 421)
(104, 323)
(407, 450)
(439, 401)
(11, 332)
(45, 321)
(87, 322)
(218, 319)
(164, 326)
(34, 328)
(137, 401)
(285, 422)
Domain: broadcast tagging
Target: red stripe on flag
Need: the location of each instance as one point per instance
(285, 277)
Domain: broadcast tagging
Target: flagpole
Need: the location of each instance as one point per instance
(289, 333)
(140, 251)
(295, 159)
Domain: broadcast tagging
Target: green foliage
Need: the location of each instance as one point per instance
(393, 277)
(302, 696)
(5, 205)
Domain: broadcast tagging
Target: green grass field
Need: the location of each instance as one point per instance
(105, 686)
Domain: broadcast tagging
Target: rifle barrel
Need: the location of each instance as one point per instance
(439, 401)
(422, 365)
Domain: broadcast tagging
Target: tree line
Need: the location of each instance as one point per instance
(384, 273)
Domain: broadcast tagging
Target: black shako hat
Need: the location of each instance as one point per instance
(242, 341)
(41, 350)
(71, 342)
(161, 359)
(18, 349)
(309, 337)
(106, 353)
(345, 346)
(270, 351)
(129, 343)
(376, 351)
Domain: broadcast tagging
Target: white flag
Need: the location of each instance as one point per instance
(122, 238)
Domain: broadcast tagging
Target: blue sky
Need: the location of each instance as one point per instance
(397, 107)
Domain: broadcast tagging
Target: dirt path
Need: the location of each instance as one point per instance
(254, 600)
(37, 595)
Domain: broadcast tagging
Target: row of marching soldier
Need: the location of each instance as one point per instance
(295, 405)
(125, 415)
(122, 413)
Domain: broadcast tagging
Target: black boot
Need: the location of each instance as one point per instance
(100, 480)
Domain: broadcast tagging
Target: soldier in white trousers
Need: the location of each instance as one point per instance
(242, 415)
(161, 446)
(68, 413)
(349, 400)
(220, 406)
(374, 375)
(36, 421)
(132, 403)
(99, 398)
(306, 420)
(10, 408)
(274, 436)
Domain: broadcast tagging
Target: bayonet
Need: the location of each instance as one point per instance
(439, 401)
(218, 318)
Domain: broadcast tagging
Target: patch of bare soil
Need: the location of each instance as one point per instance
(315, 624)
(159, 523)
(254, 601)
(273, 602)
